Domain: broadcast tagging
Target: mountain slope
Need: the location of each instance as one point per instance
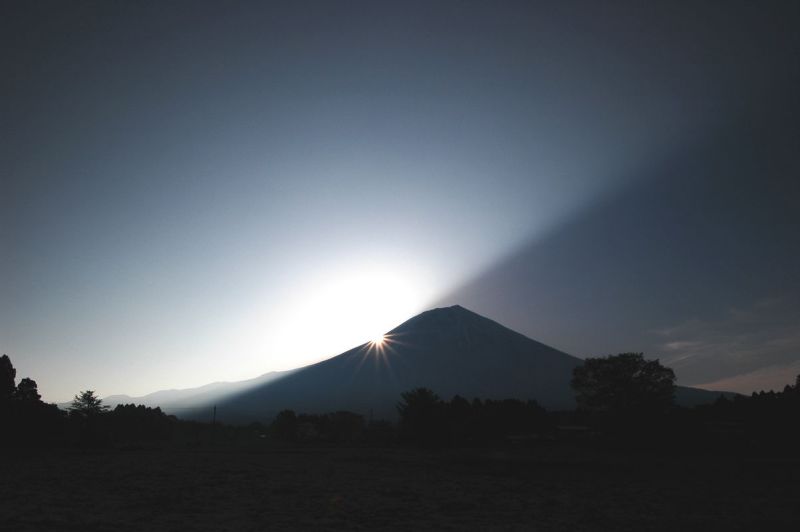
(450, 350)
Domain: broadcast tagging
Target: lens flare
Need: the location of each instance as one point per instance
(378, 340)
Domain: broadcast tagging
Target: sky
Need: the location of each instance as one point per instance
(202, 191)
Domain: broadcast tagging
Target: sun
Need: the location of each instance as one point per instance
(378, 340)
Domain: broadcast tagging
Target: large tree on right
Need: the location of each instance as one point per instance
(623, 384)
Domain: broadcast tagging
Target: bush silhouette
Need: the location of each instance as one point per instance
(285, 426)
(137, 423)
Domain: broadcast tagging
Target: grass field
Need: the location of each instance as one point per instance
(374, 489)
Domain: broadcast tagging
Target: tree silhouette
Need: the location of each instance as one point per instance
(7, 376)
(421, 416)
(623, 384)
(28, 391)
(87, 403)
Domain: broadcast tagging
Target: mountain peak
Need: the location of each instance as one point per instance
(444, 319)
(453, 309)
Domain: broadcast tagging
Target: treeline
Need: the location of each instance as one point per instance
(340, 427)
(27, 421)
(427, 420)
(764, 419)
(622, 401)
(423, 420)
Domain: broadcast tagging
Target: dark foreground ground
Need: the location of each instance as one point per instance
(372, 489)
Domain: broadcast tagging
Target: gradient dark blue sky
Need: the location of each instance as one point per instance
(208, 191)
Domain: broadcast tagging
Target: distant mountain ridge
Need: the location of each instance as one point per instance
(450, 350)
(199, 398)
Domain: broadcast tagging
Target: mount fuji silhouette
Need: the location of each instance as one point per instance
(451, 350)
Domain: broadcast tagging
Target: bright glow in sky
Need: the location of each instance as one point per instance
(331, 312)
